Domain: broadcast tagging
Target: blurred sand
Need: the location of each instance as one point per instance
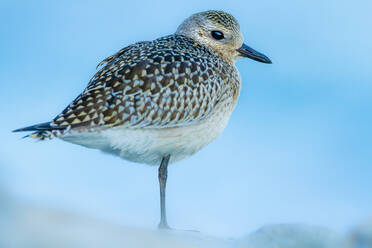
(34, 227)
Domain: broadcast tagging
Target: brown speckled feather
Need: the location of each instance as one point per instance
(168, 82)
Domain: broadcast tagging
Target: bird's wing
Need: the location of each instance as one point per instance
(148, 85)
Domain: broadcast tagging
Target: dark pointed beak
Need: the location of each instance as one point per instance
(246, 51)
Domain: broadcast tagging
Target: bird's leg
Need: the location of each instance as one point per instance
(163, 173)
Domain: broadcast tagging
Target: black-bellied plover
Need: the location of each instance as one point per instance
(157, 102)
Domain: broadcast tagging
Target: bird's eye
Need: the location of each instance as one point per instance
(217, 35)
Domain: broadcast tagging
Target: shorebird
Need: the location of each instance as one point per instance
(157, 102)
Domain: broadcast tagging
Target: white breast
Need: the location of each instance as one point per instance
(149, 146)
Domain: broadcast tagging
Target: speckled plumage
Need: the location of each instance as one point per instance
(168, 82)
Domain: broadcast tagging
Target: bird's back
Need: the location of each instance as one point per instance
(165, 83)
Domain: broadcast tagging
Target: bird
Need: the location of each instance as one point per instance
(160, 101)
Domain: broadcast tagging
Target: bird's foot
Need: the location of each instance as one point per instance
(164, 226)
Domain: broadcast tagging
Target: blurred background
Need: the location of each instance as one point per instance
(298, 147)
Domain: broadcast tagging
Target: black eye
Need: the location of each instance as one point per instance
(217, 35)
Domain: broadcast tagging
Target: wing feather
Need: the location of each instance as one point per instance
(165, 83)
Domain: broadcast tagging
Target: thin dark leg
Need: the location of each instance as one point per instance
(163, 174)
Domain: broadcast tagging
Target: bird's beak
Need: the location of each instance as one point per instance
(246, 51)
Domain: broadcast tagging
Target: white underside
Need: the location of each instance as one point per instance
(150, 145)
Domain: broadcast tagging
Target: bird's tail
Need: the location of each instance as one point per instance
(42, 131)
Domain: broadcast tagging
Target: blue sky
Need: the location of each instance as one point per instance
(297, 148)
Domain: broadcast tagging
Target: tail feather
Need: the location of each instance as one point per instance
(38, 127)
(41, 131)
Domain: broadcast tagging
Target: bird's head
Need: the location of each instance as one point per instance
(219, 31)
